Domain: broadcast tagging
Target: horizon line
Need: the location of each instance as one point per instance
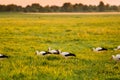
(59, 5)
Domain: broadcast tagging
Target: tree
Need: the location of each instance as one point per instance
(67, 7)
(114, 8)
(35, 7)
(55, 9)
(107, 7)
(2, 8)
(27, 8)
(101, 7)
(85, 8)
(92, 8)
(47, 8)
(78, 7)
(13, 8)
(119, 8)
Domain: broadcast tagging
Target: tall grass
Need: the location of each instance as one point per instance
(22, 34)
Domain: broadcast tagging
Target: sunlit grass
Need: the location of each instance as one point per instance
(22, 34)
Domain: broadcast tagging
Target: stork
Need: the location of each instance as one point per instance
(116, 57)
(66, 54)
(118, 48)
(53, 51)
(99, 49)
(42, 52)
(3, 56)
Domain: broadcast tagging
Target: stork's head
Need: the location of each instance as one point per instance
(114, 57)
(58, 51)
(49, 48)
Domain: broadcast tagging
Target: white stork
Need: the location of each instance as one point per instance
(66, 54)
(42, 52)
(116, 57)
(3, 56)
(118, 48)
(53, 51)
(99, 49)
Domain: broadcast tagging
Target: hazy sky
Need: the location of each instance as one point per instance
(58, 2)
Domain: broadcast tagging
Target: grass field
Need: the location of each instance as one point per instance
(22, 34)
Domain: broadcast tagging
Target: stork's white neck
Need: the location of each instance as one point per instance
(49, 49)
(114, 57)
(94, 49)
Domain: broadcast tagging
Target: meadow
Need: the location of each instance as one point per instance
(22, 34)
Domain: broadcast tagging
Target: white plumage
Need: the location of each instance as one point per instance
(53, 51)
(3, 56)
(99, 49)
(42, 53)
(66, 54)
(118, 48)
(116, 57)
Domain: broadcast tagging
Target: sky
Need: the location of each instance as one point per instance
(57, 2)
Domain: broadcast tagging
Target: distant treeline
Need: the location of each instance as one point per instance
(66, 7)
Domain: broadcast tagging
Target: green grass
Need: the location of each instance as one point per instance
(21, 34)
